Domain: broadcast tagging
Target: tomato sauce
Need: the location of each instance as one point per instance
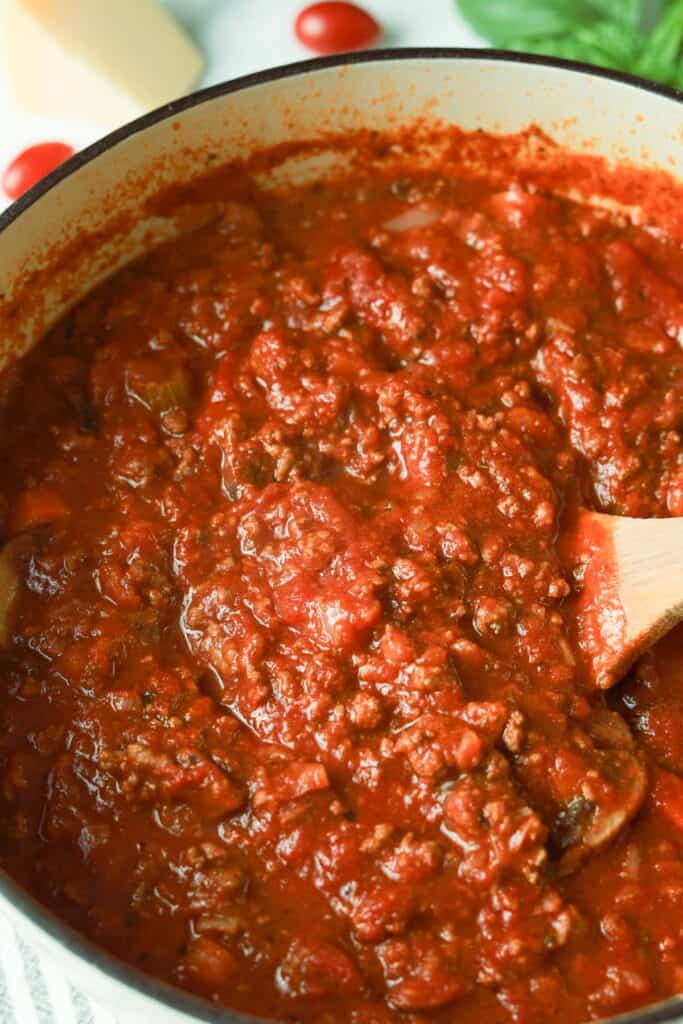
(291, 713)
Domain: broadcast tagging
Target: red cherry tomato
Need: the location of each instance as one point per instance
(33, 164)
(335, 27)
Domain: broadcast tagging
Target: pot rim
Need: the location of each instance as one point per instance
(293, 70)
(11, 891)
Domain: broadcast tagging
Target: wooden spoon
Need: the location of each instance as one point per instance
(630, 572)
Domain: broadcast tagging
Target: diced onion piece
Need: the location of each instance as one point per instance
(412, 218)
(160, 391)
(9, 586)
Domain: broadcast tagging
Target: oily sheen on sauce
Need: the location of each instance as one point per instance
(291, 712)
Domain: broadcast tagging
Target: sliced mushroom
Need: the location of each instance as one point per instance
(588, 824)
(587, 785)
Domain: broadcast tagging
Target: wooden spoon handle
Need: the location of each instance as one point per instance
(649, 557)
(632, 589)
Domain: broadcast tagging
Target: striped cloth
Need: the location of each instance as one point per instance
(33, 990)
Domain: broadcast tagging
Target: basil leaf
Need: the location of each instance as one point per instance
(608, 33)
(572, 48)
(502, 20)
(605, 43)
(625, 12)
(620, 44)
(660, 56)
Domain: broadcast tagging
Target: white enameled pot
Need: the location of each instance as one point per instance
(75, 228)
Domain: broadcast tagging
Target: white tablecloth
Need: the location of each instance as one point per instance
(33, 990)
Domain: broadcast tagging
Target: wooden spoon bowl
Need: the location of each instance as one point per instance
(630, 573)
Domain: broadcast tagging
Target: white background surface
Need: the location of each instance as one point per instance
(238, 37)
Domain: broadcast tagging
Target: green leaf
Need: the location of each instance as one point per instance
(620, 43)
(660, 56)
(608, 33)
(605, 43)
(503, 20)
(625, 12)
(570, 48)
